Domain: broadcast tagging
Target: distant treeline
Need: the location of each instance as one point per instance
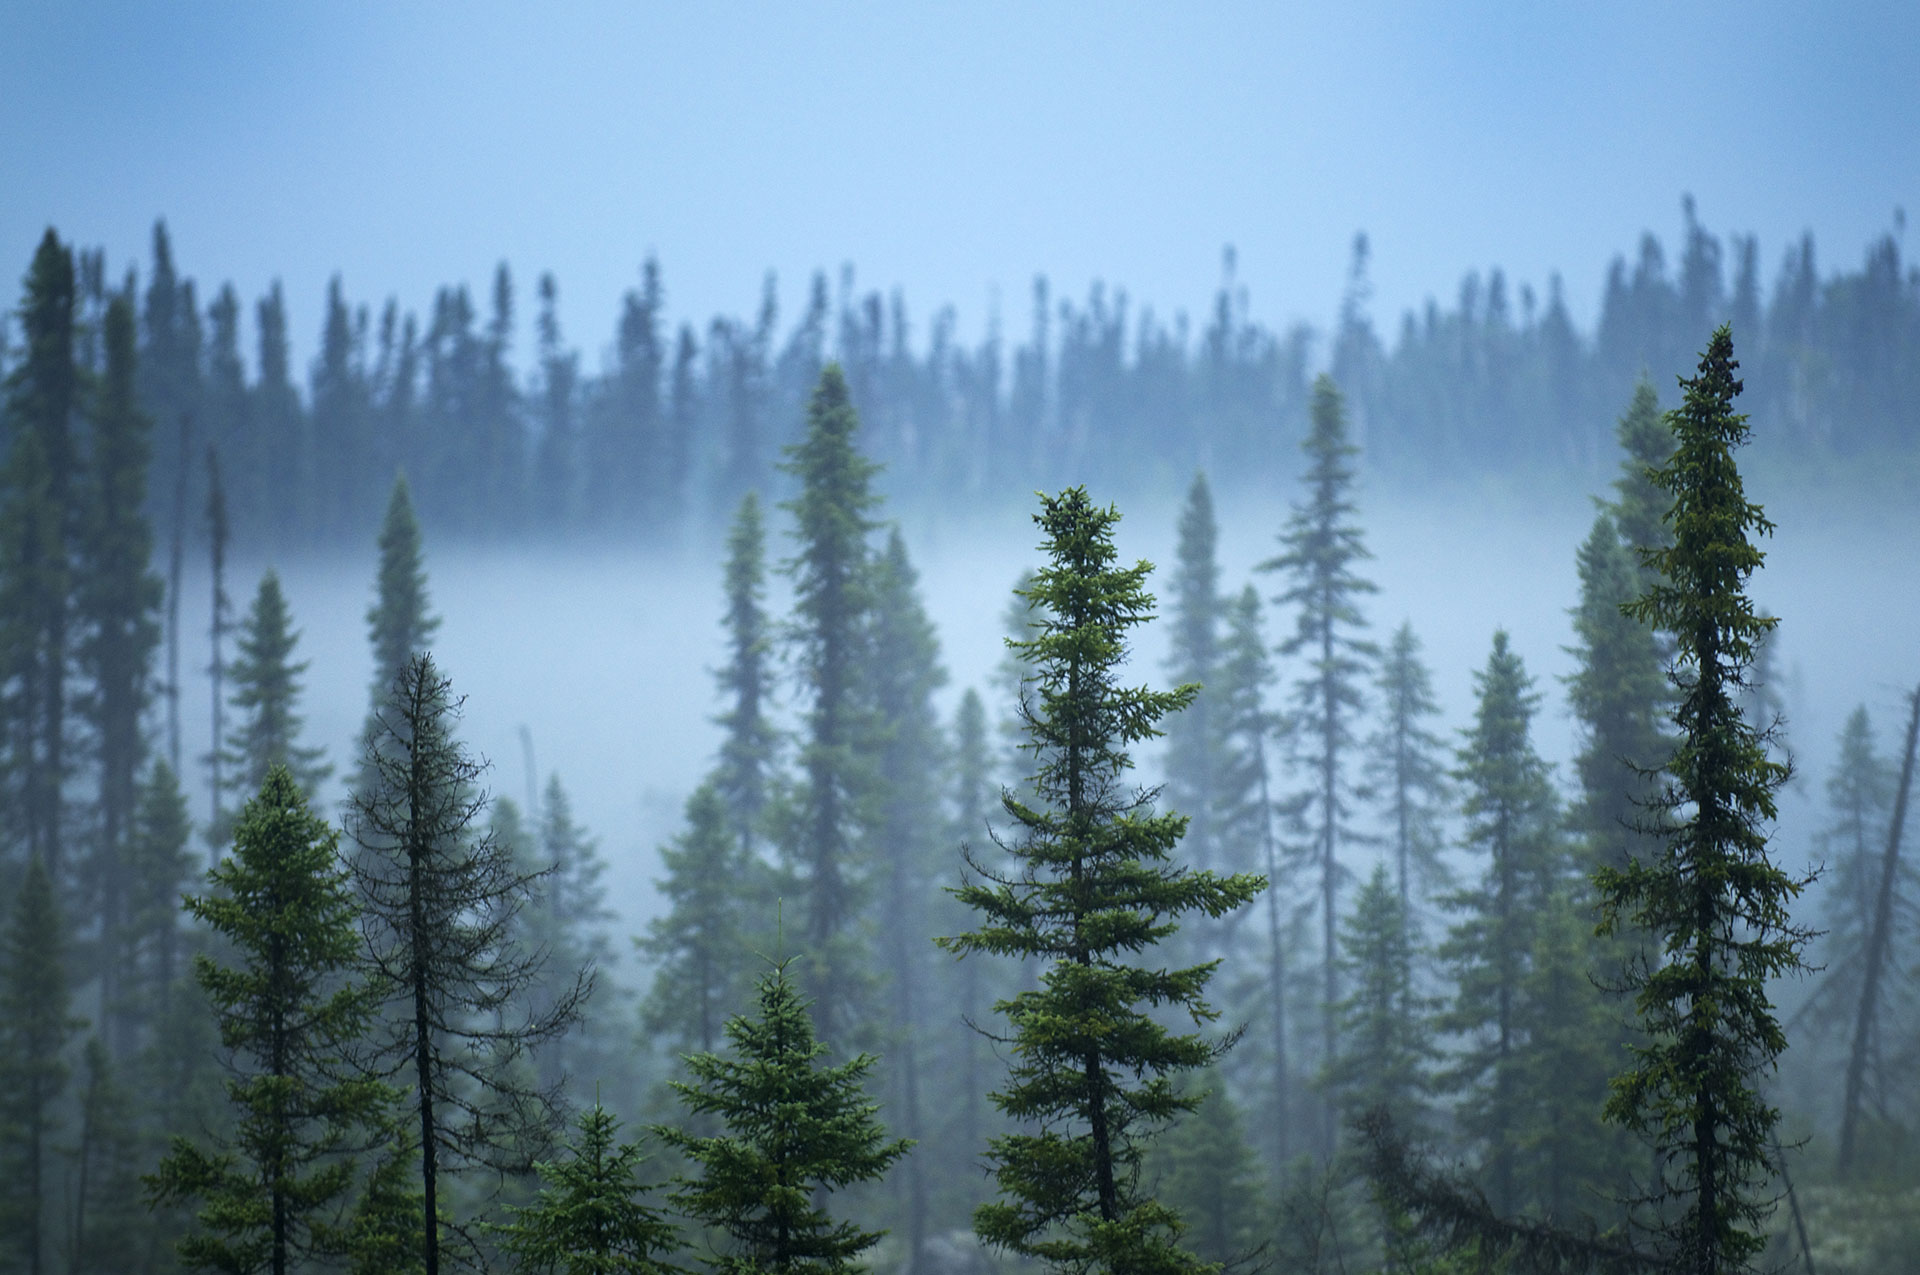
(684, 419)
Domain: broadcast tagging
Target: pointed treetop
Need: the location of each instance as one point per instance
(399, 623)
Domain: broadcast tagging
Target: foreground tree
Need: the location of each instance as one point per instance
(287, 1016)
(1092, 889)
(1711, 897)
(794, 1131)
(1320, 549)
(588, 1218)
(442, 901)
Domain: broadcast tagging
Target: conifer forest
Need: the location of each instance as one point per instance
(843, 785)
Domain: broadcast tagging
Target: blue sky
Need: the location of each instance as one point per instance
(952, 150)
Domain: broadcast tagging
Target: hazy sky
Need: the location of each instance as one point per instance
(949, 149)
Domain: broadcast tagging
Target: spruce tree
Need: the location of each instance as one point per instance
(570, 919)
(1321, 546)
(744, 776)
(399, 624)
(1247, 726)
(266, 698)
(1710, 896)
(1208, 1175)
(1513, 818)
(1193, 740)
(442, 901)
(117, 633)
(700, 946)
(831, 571)
(1386, 1028)
(289, 1010)
(218, 624)
(974, 794)
(1092, 890)
(38, 487)
(589, 1218)
(794, 1132)
(904, 672)
(158, 869)
(1406, 768)
(34, 1030)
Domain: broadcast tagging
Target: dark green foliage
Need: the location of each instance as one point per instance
(795, 1131)
(1092, 889)
(744, 776)
(37, 548)
(1513, 819)
(1321, 547)
(831, 571)
(1710, 896)
(288, 1013)
(1405, 767)
(158, 869)
(266, 698)
(588, 1218)
(443, 902)
(1208, 1175)
(385, 1232)
(1386, 1029)
(34, 1030)
(700, 947)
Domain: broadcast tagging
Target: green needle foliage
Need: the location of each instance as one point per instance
(1711, 897)
(588, 1218)
(266, 697)
(1092, 889)
(794, 1132)
(269, 1190)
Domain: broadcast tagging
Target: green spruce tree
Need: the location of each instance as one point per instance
(1209, 1176)
(1386, 1029)
(1405, 766)
(1513, 819)
(700, 947)
(399, 623)
(1093, 889)
(289, 1011)
(794, 1132)
(832, 577)
(744, 777)
(38, 490)
(1193, 739)
(266, 698)
(590, 1218)
(1710, 896)
(1321, 547)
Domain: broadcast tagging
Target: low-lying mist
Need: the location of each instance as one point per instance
(604, 653)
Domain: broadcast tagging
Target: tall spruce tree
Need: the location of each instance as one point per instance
(744, 776)
(903, 674)
(1321, 546)
(794, 1132)
(116, 609)
(569, 920)
(1711, 897)
(832, 577)
(974, 795)
(218, 623)
(108, 1224)
(34, 1029)
(399, 624)
(1386, 1029)
(1247, 727)
(37, 545)
(1093, 889)
(442, 900)
(1405, 766)
(1193, 739)
(266, 698)
(700, 947)
(1513, 818)
(289, 1011)
(1209, 1176)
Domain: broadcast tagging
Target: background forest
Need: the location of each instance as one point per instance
(1413, 830)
